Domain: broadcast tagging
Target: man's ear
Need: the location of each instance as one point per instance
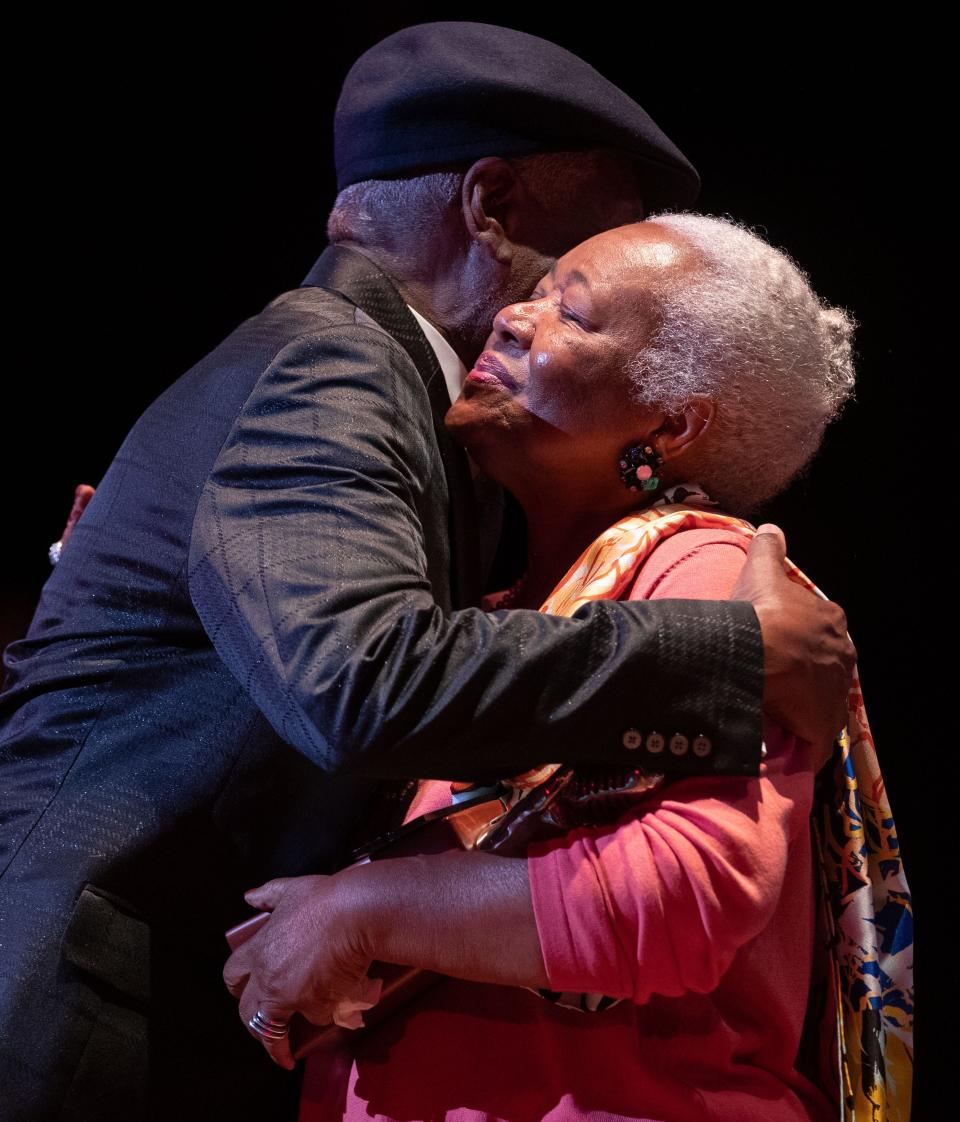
(489, 197)
(681, 431)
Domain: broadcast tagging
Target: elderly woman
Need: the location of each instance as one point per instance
(680, 362)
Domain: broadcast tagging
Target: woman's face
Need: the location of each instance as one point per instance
(553, 372)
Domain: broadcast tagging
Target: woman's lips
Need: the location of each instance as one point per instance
(488, 368)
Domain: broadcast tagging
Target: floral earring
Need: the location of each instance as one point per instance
(639, 467)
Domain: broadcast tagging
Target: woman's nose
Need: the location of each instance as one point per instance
(514, 324)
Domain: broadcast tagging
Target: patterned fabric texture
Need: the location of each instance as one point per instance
(866, 921)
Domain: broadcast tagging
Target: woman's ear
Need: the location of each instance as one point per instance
(681, 431)
(489, 198)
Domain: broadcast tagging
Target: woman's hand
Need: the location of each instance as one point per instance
(467, 915)
(306, 959)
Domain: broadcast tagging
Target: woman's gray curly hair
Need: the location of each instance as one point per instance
(748, 332)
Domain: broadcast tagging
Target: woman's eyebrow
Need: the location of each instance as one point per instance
(576, 277)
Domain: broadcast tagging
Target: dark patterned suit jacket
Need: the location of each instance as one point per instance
(252, 625)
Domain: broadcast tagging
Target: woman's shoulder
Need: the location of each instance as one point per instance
(696, 564)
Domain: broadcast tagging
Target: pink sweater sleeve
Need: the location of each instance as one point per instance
(661, 901)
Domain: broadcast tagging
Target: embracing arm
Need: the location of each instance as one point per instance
(601, 910)
(310, 568)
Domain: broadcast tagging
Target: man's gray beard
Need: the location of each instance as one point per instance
(481, 321)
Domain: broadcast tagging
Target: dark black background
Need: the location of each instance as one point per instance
(169, 179)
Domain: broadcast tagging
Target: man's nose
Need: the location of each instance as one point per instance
(515, 324)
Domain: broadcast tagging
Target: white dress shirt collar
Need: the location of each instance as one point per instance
(454, 372)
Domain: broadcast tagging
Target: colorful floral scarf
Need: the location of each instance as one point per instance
(866, 922)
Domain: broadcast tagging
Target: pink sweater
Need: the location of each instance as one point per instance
(698, 909)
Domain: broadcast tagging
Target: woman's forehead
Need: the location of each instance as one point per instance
(621, 255)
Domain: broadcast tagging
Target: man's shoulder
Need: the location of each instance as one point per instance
(307, 332)
(310, 302)
(313, 337)
(318, 311)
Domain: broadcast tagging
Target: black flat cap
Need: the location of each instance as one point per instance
(443, 93)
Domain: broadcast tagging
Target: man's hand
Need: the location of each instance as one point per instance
(808, 656)
(305, 959)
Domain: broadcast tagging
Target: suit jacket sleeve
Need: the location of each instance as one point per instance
(308, 568)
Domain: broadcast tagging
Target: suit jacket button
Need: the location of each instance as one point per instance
(679, 744)
(702, 746)
(655, 743)
(632, 738)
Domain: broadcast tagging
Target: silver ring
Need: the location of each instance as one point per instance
(267, 1028)
(54, 552)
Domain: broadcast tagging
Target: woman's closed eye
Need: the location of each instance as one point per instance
(572, 317)
(566, 312)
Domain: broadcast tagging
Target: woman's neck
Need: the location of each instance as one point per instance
(557, 535)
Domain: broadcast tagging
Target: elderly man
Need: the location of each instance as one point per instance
(254, 622)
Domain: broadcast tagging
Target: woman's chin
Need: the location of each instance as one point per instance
(473, 416)
(481, 429)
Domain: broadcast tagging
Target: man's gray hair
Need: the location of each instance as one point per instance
(360, 210)
(748, 332)
(561, 183)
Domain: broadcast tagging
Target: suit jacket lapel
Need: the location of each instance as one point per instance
(358, 279)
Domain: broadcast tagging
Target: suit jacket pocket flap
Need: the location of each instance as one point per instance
(108, 940)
